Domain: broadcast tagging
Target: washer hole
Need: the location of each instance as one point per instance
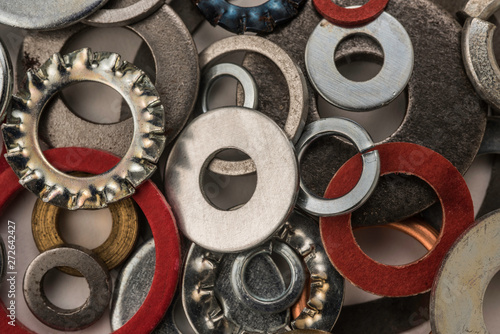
(478, 178)
(491, 305)
(247, 3)
(55, 285)
(222, 92)
(349, 3)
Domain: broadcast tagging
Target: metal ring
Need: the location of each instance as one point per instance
(368, 95)
(196, 146)
(124, 16)
(417, 277)
(116, 248)
(273, 305)
(219, 71)
(350, 17)
(481, 9)
(367, 182)
(20, 132)
(456, 304)
(6, 81)
(158, 215)
(297, 87)
(90, 266)
(261, 19)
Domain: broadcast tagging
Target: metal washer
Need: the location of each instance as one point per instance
(368, 95)
(111, 17)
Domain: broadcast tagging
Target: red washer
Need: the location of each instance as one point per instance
(350, 17)
(160, 219)
(417, 277)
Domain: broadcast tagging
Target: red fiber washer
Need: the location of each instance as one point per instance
(350, 17)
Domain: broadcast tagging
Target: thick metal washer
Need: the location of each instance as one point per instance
(367, 95)
(6, 81)
(273, 154)
(46, 15)
(90, 266)
(297, 88)
(160, 31)
(216, 72)
(458, 292)
(369, 178)
(20, 132)
(440, 96)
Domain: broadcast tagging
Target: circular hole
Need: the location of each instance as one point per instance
(228, 192)
(65, 291)
(87, 228)
(222, 93)
(478, 178)
(491, 305)
(350, 3)
(247, 3)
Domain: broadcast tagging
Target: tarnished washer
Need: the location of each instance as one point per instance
(367, 95)
(268, 146)
(90, 266)
(20, 132)
(216, 72)
(297, 88)
(458, 292)
(161, 32)
(6, 81)
(481, 9)
(46, 15)
(138, 10)
(369, 178)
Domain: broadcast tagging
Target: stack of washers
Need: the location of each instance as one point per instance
(185, 264)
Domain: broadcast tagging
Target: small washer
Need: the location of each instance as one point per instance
(216, 72)
(90, 266)
(368, 95)
(20, 132)
(458, 292)
(6, 81)
(278, 179)
(369, 178)
(350, 17)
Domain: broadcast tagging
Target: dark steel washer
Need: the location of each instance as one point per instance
(440, 97)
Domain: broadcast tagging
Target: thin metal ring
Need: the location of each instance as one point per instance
(90, 266)
(297, 87)
(369, 178)
(261, 19)
(216, 72)
(278, 176)
(456, 304)
(350, 17)
(20, 132)
(481, 9)
(292, 293)
(6, 81)
(123, 16)
(417, 277)
(158, 214)
(360, 96)
(116, 248)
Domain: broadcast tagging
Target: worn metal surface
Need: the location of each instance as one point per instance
(216, 72)
(352, 131)
(441, 104)
(177, 80)
(457, 295)
(123, 15)
(260, 18)
(481, 9)
(273, 154)
(45, 15)
(94, 271)
(365, 95)
(20, 132)
(295, 82)
(350, 17)
(6, 81)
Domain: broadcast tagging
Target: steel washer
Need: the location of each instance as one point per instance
(131, 13)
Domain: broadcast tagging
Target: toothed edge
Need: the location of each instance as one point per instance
(108, 61)
(52, 193)
(30, 176)
(140, 171)
(79, 58)
(82, 197)
(153, 145)
(116, 190)
(12, 134)
(52, 68)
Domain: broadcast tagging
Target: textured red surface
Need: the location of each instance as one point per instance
(3, 163)
(350, 17)
(160, 219)
(417, 277)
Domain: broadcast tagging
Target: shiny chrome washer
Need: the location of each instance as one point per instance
(20, 132)
(6, 81)
(369, 178)
(368, 95)
(90, 266)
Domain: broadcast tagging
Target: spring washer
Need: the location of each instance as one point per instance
(350, 17)
(273, 154)
(90, 266)
(368, 95)
(456, 304)
(216, 72)
(369, 178)
(297, 87)
(6, 81)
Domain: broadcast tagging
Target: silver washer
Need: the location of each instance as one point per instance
(216, 72)
(482, 9)
(368, 95)
(20, 132)
(124, 15)
(6, 81)
(369, 178)
(90, 266)
(271, 150)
